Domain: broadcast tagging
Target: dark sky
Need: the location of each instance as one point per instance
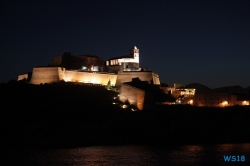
(183, 41)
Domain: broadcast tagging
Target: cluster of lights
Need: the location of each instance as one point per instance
(115, 98)
(124, 106)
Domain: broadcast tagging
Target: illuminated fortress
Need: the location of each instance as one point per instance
(92, 69)
(120, 71)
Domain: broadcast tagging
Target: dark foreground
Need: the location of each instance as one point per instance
(59, 116)
(123, 155)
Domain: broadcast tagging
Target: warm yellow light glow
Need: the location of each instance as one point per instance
(224, 103)
(133, 109)
(124, 106)
(245, 103)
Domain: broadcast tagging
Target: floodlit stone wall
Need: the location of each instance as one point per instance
(46, 75)
(156, 78)
(22, 76)
(143, 76)
(133, 95)
(90, 77)
(56, 74)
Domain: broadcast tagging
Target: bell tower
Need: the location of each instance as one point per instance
(134, 52)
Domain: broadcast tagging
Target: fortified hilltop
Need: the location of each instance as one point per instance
(92, 69)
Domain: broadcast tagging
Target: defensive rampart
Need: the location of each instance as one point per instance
(56, 74)
(133, 95)
(90, 77)
(46, 75)
(142, 75)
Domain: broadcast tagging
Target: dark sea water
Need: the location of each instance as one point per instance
(127, 155)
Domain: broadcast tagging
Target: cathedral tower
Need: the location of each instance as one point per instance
(134, 53)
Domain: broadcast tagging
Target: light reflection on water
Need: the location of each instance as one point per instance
(127, 155)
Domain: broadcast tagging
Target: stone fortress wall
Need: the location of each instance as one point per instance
(142, 75)
(46, 75)
(90, 77)
(23, 76)
(133, 95)
(56, 74)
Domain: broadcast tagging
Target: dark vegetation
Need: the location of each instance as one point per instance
(67, 115)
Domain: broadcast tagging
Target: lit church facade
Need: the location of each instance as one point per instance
(125, 63)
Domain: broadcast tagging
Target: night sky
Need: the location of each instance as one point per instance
(183, 41)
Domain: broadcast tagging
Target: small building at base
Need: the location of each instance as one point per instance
(220, 99)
